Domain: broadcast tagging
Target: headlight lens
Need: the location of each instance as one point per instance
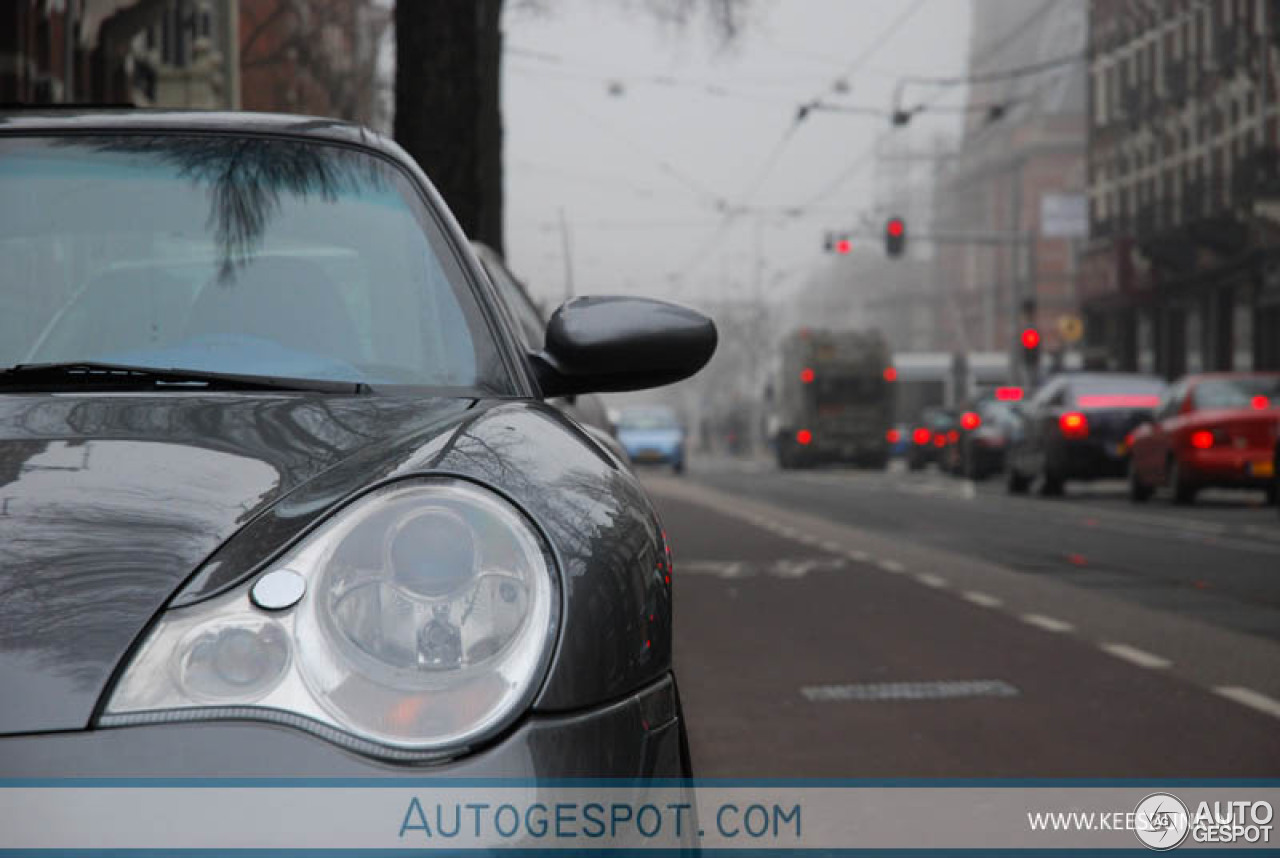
(426, 622)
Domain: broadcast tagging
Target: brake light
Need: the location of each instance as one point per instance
(953, 436)
(1009, 394)
(1073, 424)
(939, 440)
(890, 374)
(806, 376)
(804, 436)
(921, 435)
(893, 436)
(1202, 439)
(1261, 403)
(970, 420)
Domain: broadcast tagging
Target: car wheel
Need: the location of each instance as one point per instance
(1052, 484)
(1184, 492)
(1015, 482)
(1139, 492)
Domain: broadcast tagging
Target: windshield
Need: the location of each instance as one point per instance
(1240, 392)
(1117, 391)
(237, 255)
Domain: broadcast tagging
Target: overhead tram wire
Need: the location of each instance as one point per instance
(775, 154)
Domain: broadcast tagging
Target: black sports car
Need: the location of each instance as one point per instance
(279, 493)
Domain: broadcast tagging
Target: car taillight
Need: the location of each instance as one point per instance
(804, 436)
(893, 436)
(953, 436)
(921, 435)
(939, 440)
(1261, 403)
(970, 420)
(1073, 424)
(1202, 439)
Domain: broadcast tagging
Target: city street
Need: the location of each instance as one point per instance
(852, 623)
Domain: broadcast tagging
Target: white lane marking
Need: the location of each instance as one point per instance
(983, 600)
(931, 580)
(807, 539)
(1252, 699)
(1049, 624)
(891, 566)
(1133, 655)
(830, 546)
(970, 491)
(858, 556)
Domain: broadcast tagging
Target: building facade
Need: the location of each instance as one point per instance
(997, 267)
(149, 53)
(1182, 269)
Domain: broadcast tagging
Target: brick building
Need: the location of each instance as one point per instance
(151, 53)
(1182, 270)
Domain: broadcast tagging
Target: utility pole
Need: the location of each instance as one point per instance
(566, 252)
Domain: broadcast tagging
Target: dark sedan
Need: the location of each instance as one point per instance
(1076, 428)
(280, 493)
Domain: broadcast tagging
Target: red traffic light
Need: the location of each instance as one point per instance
(895, 227)
(806, 376)
(890, 374)
(843, 246)
(1030, 338)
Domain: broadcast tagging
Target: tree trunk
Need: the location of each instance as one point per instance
(448, 54)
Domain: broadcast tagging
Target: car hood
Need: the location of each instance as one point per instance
(108, 503)
(650, 437)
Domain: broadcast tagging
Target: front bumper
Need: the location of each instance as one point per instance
(640, 736)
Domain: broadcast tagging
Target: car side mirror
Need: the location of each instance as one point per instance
(604, 344)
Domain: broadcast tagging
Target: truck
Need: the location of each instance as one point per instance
(831, 399)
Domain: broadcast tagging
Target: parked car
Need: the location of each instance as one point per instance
(1212, 430)
(530, 323)
(930, 436)
(986, 431)
(280, 490)
(653, 435)
(1076, 426)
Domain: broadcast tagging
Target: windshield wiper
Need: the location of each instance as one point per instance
(79, 375)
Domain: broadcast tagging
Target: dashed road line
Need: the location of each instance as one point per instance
(1133, 655)
(858, 556)
(830, 546)
(1049, 624)
(890, 565)
(982, 600)
(929, 580)
(1253, 699)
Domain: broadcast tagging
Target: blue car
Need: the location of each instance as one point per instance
(652, 435)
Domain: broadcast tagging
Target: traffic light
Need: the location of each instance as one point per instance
(838, 242)
(895, 237)
(1031, 351)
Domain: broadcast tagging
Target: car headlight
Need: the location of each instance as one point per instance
(414, 623)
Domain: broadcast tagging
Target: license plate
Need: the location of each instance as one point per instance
(1262, 469)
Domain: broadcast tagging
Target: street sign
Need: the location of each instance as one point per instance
(1064, 216)
(1071, 328)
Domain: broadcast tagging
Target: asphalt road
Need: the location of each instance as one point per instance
(841, 623)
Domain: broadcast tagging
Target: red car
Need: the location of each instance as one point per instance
(1211, 430)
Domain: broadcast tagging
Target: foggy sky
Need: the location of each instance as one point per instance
(638, 171)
